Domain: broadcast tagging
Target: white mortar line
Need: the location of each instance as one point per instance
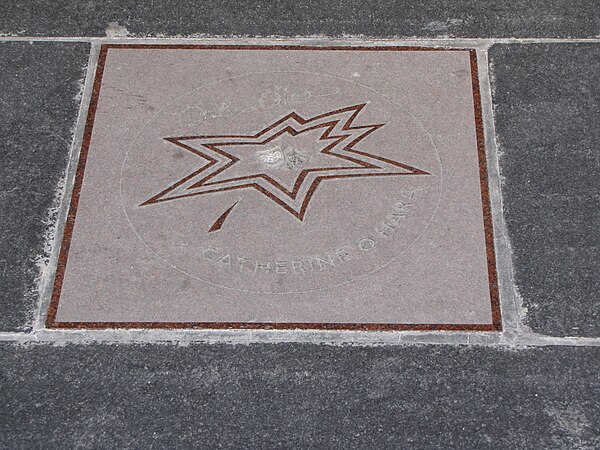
(338, 338)
(509, 300)
(316, 39)
(536, 340)
(17, 337)
(47, 278)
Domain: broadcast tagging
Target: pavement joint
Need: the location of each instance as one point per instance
(512, 312)
(314, 40)
(346, 338)
(63, 193)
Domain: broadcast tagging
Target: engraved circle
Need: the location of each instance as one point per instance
(246, 239)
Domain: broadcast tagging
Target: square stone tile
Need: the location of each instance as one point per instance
(280, 187)
(547, 111)
(39, 82)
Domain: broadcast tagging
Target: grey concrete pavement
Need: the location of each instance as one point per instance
(123, 394)
(297, 396)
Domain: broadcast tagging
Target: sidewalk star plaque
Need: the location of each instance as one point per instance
(280, 187)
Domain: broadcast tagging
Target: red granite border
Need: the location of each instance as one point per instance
(496, 324)
(68, 233)
(485, 197)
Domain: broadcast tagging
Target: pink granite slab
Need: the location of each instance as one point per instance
(280, 187)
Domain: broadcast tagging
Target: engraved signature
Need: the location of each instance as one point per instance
(385, 229)
(277, 96)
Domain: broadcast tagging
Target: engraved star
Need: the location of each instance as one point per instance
(285, 161)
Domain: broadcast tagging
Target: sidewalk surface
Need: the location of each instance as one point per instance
(190, 327)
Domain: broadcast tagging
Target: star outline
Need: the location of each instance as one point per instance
(358, 133)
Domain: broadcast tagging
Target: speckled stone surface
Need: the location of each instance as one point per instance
(378, 18)
(39, 83)
(547, 108)
(297, 396)
(319, 193)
